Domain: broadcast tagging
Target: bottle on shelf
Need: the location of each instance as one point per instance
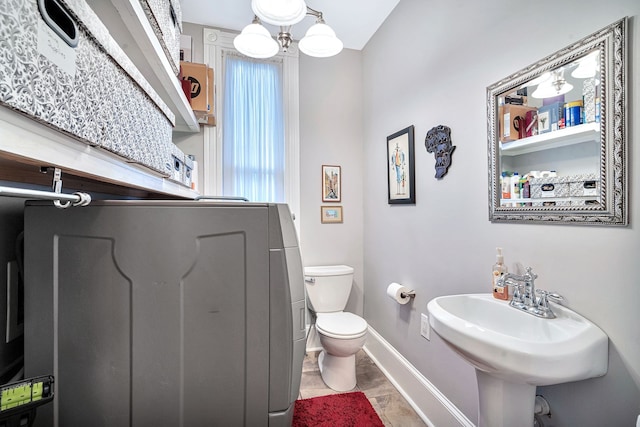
(499, 269)
(505, 185)
(515, 186)
(524, 187)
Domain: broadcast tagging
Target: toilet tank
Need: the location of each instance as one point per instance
(328, 287)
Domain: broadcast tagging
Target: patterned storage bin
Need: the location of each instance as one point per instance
(585, 202)
(175, 163)
(79, 81)
(557, 203)
(165, 17)
(542, 188)
(585, 185)
(188, 171)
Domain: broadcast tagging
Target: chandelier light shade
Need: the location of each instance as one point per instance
(280, 12)
(587, 66)
(255, 41)
(320, 41)
(556, 85)
(548, 90)
(538, 80)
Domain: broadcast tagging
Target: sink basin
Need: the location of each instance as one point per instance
(515, 351)
(517, 346)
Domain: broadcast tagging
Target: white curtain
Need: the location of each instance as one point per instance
(253, 147)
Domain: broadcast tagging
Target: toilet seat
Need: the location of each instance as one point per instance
(341, 325)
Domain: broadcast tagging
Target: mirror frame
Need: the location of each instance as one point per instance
(612, 208)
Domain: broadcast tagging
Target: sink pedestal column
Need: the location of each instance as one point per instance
(503, 403)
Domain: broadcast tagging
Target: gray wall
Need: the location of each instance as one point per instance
(331, 134)
(430, 64)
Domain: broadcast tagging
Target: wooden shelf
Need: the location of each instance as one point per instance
(27, 142)
(129, 26)
(560, 138)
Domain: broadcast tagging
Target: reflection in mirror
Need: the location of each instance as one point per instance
(530, 174)
(556, 134)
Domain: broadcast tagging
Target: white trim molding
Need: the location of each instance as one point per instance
(423, 396)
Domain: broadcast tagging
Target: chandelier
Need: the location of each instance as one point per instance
(255, 41)
(552, 84)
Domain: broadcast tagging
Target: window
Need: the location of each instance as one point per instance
(253, 156)
(218, 45)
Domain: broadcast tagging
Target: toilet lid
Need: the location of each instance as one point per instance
(341, 324)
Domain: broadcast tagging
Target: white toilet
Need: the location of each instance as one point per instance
(342, 334)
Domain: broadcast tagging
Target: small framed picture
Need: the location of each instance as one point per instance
(331, 214)
(400, 167)
(331, 183)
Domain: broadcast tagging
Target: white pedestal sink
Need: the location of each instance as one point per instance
(513, 351)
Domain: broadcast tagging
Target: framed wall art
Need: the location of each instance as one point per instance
(331, 214)
(331, 183)
(400, 167)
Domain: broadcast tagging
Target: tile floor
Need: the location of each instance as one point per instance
(392, 408)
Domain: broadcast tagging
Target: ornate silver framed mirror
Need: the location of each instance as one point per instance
(557, 136)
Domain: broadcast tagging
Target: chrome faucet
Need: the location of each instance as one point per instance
(524, 294)
(526, 291)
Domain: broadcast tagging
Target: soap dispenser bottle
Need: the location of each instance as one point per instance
(499, 269)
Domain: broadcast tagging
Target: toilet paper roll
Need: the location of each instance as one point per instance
(395, 291)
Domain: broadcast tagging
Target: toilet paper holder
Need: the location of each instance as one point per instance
(410, 294)
(399, 293)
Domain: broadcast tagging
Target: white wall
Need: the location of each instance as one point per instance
(193, 143)
(430, 64)
(331, 134)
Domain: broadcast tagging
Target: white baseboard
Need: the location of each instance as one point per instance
(428, 402)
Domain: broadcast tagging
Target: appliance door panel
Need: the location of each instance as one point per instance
(149, 315)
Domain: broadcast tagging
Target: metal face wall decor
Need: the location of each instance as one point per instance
(400, 167)
(438, 142)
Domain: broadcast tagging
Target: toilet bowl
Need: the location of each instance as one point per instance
(342, 334)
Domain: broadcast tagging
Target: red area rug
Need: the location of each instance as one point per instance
(336, 410)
